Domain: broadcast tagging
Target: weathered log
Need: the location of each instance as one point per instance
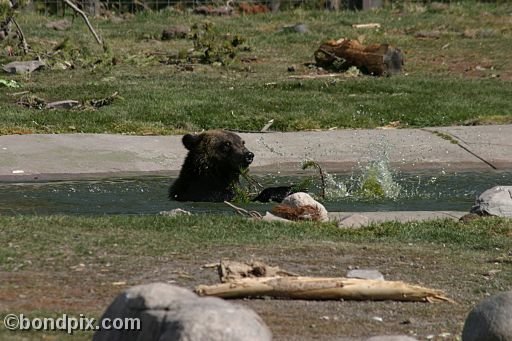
(321, 288)
(376, 59)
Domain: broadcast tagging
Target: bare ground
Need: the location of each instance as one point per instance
(466, 277)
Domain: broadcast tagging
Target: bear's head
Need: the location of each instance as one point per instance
(219, 149)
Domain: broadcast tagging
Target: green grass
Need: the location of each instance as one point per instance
(440, 86)
(72, 238)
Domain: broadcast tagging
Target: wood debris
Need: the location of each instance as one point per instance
(376, 59)
(322, 288)
(257, 279)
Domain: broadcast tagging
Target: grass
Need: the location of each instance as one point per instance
(68, 264)
(76, 237)
(441, 86)
(43, 257)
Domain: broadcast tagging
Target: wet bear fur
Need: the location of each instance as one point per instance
(212, 167)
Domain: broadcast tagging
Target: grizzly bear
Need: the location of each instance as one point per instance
(212, 167)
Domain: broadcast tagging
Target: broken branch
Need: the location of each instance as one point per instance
(244, 212)
(24, 44)
(87, 22)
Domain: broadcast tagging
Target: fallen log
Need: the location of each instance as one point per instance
(321, 288)
(376, 59)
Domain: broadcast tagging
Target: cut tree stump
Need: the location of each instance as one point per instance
(321, 288)
(376, 59)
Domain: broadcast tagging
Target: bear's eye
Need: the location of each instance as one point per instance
(226, 146)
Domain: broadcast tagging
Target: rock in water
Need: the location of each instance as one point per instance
(301, 206)
(168, 312)
(496, 201)
(490, 320)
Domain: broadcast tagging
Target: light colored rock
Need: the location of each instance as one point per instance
(175, 212)
(23, 67)
(354, 221)
(301, 199)
(169, 312)
(365, 274)
(490, 320)
(496, 201)
(391, 338)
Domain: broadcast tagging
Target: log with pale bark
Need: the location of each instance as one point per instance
(321, 288)
(376, 59)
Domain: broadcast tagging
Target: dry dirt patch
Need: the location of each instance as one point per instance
(466, 277)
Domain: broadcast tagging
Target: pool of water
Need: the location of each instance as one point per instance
(148, 195)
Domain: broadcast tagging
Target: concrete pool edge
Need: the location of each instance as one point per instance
(78, 156)
(399, 216)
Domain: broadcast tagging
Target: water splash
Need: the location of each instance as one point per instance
(334, 188)
(377, 182)
(373, 181)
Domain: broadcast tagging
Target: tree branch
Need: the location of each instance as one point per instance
(82, 14)
(24, 44)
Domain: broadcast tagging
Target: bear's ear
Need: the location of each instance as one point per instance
(191, 141)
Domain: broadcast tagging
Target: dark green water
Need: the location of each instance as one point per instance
(411, 192)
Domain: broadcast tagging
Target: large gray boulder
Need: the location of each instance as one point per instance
(496, 201)
(490, 320)
(168, 312)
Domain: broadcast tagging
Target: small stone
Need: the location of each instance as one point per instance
(391, 338)
(490, 319)
(175, 212)
(297, 28)
(301, 28)
(365, 274)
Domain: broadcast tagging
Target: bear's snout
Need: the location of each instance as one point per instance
(249, 157)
